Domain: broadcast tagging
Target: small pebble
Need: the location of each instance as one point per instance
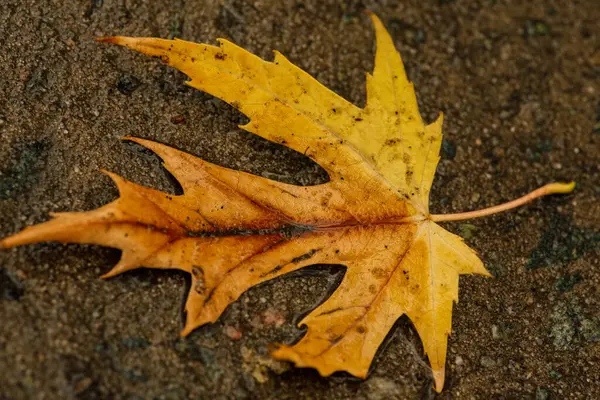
(498, 152)
(495, 332)
(273, 317)
(232, 333)
(542, 394)
(178, 119)
(487, 362)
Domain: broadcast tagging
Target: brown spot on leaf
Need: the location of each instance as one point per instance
(408, 176)
(335, 340)
(331, 311)
(325, 199)
(198, 278)
(379, 273)
(197, 271)
(273, 271)
(305, 256)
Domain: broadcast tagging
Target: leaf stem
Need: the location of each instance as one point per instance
(550, 188)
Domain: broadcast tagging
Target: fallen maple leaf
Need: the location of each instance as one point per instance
(231, 230)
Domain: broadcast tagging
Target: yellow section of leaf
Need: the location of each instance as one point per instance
(387, 141)
(416, 276)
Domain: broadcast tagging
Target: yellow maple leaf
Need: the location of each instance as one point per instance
(231, 230)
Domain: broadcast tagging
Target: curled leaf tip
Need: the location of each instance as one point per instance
(107, 39)
(187, 330)
(561, 187)
(118, 40)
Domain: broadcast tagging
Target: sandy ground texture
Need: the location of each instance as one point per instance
(519, 84)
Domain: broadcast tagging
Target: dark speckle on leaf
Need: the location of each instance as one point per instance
(305, 256)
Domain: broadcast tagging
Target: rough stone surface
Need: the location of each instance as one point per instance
(519, 85)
